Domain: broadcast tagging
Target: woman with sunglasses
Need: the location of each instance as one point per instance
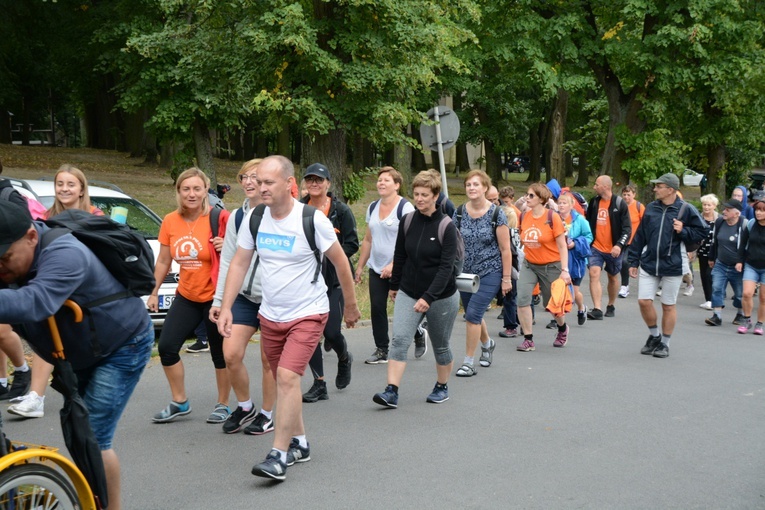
(544, 240)
(341, 216)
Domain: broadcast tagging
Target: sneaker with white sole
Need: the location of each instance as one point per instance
(30, 405)
(272, 467)
(706, 305)
(198, 347)
(624, 291)
(688, 291)
(297, 453)
(239, 419)
(421, 339)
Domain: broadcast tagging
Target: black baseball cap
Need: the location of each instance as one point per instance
(733, 204)
(14, 223)
(318, 170)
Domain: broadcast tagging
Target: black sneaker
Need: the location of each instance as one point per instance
(662, 351)
(739, 320)
(272, 467)
(552, 325)
(713, 321)
(238, 419)
(581, 317)
(535, 300)
(343, 378)
(297, 453)
(596, 314)
(377, 357)
(198, 347)
(19, 386)
(260, 425)
(651, 344)
(317, 392)
(610, 311)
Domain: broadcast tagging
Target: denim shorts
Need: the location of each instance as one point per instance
(612, 264)
(107, 387)
(752, 274)
(476, 304)
(245, 312)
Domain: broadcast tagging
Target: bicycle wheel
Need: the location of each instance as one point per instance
(38, 487)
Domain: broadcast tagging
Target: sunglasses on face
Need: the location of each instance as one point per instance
(530, 195)
(314, 179)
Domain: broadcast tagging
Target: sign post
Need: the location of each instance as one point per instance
(441, 135)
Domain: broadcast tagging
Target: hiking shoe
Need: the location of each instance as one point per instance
(581, 316)
(198, 347)
(272, 467)
(509, 333)
(561, 338)
(596, 314)
(238, 419)
(438, 395)
(661, 351)
(738, 320)
(713, 321)
(387, 398)
(317, 392)
(745, 327)
(343, 378)
(487, 353)
(421, 339)
(526, 346)
(377, 357)
(30, 405)
(172, 411)
(551, 325)
(624, 291)
(706, 305)
(610, 311)
(260, 425)
(297, 453)
(19, 386)
(688, 291)
(466, 370)
(219, 414)
(651, 344)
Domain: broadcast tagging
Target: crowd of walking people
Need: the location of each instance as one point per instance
(283, 265)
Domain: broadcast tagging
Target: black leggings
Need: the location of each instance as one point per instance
(182, 318)
(333, 336)
(705, 272)
(625, 272)
(378, 303)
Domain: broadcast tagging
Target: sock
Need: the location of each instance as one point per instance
(246, 406)
(665, 339)
(394, 388)
(654, 330)
(302, 440)
(717, 313)
(22, 368)
(486, 344)
(282, 454)
(530, 338)
(440, 386)
(469, 360)
(562, 328)
(265, 413)
(4, 382)
(185, 403)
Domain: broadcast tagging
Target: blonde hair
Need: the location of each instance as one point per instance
(482, 176)
(711, 198)
(428, 179)
(247, 166)
(188, 174)
(512, 218)
(84, 203)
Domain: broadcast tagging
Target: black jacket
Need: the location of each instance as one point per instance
(656, 245)
(619, 215)
(344, 222)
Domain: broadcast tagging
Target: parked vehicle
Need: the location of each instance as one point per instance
(106, 197)
(519, 164)
(691, 178)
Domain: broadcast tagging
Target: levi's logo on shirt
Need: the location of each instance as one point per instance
(275, 242)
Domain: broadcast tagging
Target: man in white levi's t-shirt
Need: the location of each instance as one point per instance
(294, 310)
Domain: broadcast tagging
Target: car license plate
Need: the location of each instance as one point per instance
(166, 301)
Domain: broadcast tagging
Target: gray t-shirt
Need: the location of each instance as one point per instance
(727, 244)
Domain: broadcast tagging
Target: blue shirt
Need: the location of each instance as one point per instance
(482, 255)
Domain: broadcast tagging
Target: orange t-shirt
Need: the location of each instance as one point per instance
(538, 238)
(635, 217)
(190, 248)
(603, 242)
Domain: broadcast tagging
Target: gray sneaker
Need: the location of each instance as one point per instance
(421, 339)
(487, 354)
(377, 357)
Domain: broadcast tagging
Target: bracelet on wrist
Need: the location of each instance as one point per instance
(564, 270)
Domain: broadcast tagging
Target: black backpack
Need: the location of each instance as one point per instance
(309, 229)
(124, 252)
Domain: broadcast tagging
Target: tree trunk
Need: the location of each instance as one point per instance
(716, 158)
(583, 175)
(463, 161)
(357, 162)
(235, 142)
(5, 125)
(329, 150)
(248, 147)
(283, 140)
(535, 148)
(402, 160)
(418, 156)
(556, 136)
(135, 134)
(261, 145)
(369, 154)
(203, 151)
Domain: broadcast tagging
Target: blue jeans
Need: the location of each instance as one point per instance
(721, 275)
(107, 387)
(510, 308)
(475, 304)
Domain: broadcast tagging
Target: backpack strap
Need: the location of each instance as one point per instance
(400, 209)
(637, 206)
(214, 220)
(238, 217)
(408, 221)
(494, 221)
(5, 194)
(372, 207)
(309, 229)
(458, 216)
(255, 219)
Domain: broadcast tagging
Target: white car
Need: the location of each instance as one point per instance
(139, 217)
(691, 178)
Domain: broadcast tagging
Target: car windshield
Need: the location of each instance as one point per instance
(139, 217)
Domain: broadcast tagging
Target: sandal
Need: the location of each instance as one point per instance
(172, 411)
(220, 414)
(466, 370)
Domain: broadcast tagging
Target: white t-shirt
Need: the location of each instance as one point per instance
(287, 264)
(384, 232)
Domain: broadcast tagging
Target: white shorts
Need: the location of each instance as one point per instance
(648, 285)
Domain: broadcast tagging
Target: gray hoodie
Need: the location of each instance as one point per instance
(251, 288)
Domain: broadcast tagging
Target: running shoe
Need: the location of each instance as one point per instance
(198, 347)
(238, 419)
(387, 398)
(561, 338)
(30, 405)
(317, 392)
(272, 467)
(260, 425)
(172, 411)
(297, 453)
(624, 291)
(377, 357)
(651, 344)
(526, 346)
(438, 395)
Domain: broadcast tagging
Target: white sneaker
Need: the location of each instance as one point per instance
(706, 305)
(624, 291)
(688, 291)
(32, 406)
(658, 292)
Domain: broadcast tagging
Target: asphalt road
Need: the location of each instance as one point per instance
(592, 425)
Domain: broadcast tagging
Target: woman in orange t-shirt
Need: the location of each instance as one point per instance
(544, 241)
(186, 237)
